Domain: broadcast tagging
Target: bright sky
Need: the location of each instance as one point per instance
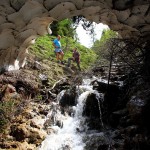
(84, 37)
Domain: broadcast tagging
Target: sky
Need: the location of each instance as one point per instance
(84, 37)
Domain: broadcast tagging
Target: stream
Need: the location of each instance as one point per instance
(73, 133)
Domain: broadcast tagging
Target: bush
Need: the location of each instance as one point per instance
(7, 111)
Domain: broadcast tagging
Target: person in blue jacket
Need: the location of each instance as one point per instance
(58, 51)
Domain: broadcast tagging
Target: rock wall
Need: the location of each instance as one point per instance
(22, 21)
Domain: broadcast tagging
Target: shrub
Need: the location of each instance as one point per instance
(7, 111)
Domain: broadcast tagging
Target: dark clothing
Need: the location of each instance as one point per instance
(77, 62)
(76, 58)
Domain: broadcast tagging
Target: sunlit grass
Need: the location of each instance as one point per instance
(44, 49)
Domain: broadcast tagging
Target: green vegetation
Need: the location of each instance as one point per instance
(103, 46)
(7, 111)
(43, 49)
(63, 28)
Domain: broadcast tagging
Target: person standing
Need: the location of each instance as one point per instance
(58, 51)
(75, 58)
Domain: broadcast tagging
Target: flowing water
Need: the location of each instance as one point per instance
(71, 135)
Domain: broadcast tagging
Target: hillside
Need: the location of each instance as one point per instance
(41, 73)
(43, 49)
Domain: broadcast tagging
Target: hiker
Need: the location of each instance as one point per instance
(58, 51)
(75, 57)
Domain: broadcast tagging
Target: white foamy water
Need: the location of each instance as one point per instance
(70, 136)
(65, 138)
(74, 128)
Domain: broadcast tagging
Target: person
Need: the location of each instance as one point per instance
(58, 51)
(75, 57)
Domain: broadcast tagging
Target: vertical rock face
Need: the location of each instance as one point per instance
(21, 22)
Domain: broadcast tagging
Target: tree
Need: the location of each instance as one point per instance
(66, 29)
(63, 28)
(102, 46)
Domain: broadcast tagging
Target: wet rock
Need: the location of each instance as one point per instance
(125, 121)
(96, 142)
(103, 147)
(111, 98)
(61, 85)
(139, 141)
(122, 78)
(50, 131)
(101, 86)
(48, 123)
(115, 117)
(59, 123)
(69, 98)
(104, 87)
(93, 112)
(91, 108)
(135, 107)
(111, 91)
(131, 130)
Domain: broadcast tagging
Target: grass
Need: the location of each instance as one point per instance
(7, 111)
(43, 49)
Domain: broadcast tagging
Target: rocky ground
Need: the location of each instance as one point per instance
(124, 112)
(26, 97)
(30, 92)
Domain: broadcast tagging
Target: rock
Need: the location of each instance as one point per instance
(93, 112)
(9, 92)
(131, 130)
(20, 132)
(34, 125)
(135, 107)
(36, 136)
(104, 87)
(48, 123)
(115, 117)
(69, 98)
(29, 19)
(27, 114)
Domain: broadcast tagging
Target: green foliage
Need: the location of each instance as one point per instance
(38, 97)
(43, 49)
(106, 35)
(63, 28)
(7, 110)
(102, 46)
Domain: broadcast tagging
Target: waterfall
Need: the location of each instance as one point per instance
(71, 135)
(100, 112)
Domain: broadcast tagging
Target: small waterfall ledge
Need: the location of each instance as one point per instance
(71, 135)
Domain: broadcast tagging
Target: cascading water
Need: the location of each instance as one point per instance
(100, 112)
(70, 136)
